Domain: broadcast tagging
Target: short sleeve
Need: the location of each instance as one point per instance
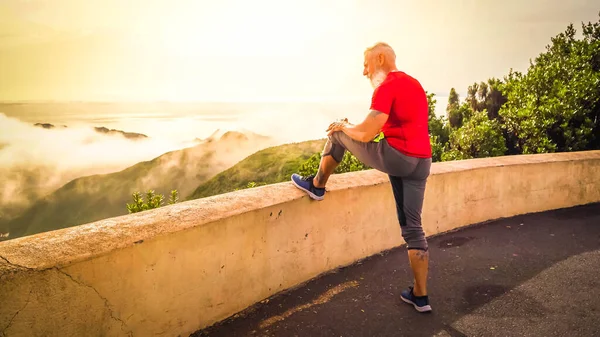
(382, 99)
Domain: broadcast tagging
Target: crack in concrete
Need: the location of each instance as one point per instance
(18, 311)
(10, 264)
(14, 264)
(3, 258)
(106, 303)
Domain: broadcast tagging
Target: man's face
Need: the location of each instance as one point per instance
(372, 71)
(369, 66)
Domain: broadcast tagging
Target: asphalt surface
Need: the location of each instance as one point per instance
(531, 275)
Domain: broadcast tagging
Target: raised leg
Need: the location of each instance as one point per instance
(326, 168)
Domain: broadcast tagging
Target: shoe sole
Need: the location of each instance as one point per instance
(310, 194)
(426, 308)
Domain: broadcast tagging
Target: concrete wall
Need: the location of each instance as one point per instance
(174, 270)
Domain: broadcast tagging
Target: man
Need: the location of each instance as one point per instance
(399, 109)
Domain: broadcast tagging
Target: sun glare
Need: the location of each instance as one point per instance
(257, 28)
(252, 36)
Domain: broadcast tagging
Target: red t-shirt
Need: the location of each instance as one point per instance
(405, 101)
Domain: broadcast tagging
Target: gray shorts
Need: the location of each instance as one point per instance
(408, 177)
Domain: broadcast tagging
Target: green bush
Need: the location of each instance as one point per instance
(552, 107)
(348, 164)
(479, 137)
(251, 184)
(152, 201)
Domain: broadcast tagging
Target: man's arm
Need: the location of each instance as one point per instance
(365, 131)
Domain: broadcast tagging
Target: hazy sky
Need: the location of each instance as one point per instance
(263, 49)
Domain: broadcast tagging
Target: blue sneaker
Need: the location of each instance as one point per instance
(421, 303)
(306, 184)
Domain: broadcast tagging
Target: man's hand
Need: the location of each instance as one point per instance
(364, 132)
(337, 122)
(337, 126)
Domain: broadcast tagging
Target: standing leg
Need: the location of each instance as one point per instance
(409, 202)
(418, 250)
(419, 263)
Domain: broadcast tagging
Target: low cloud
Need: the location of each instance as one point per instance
(35, 161)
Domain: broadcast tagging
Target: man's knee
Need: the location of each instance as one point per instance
(334, 148)
(414, 236)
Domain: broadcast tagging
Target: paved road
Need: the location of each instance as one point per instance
(532, 275)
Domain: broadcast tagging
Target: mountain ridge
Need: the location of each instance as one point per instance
(95, 197)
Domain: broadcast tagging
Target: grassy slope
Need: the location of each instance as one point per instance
(269, 166)
(97, 197)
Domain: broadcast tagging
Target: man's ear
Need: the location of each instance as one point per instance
(380, 59)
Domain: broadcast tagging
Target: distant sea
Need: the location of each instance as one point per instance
(181, 122)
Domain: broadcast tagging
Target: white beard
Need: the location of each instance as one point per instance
(377, 78)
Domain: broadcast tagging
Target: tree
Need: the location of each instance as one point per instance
(452, 109)
(455, 117)
(453, 102)
(591, 35)
(482, 95)
(460, 115)
(479, 137)
(437, 149)
(431, 101)
(495, 99)
(486, 96)
(439, 129)
(555, 106)
(472, 96)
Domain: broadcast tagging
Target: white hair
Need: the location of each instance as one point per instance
(384, 48)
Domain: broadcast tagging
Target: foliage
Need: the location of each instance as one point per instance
(494, 99)
(459, 115)
(453, 101)
(348, 164)
(480, 96)
(251, 184)
(479, 137)
(555, 106)
(138, 203)
(437, 148)
(439, 129)
(152, 201)
(174, 197)
(311, 166)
